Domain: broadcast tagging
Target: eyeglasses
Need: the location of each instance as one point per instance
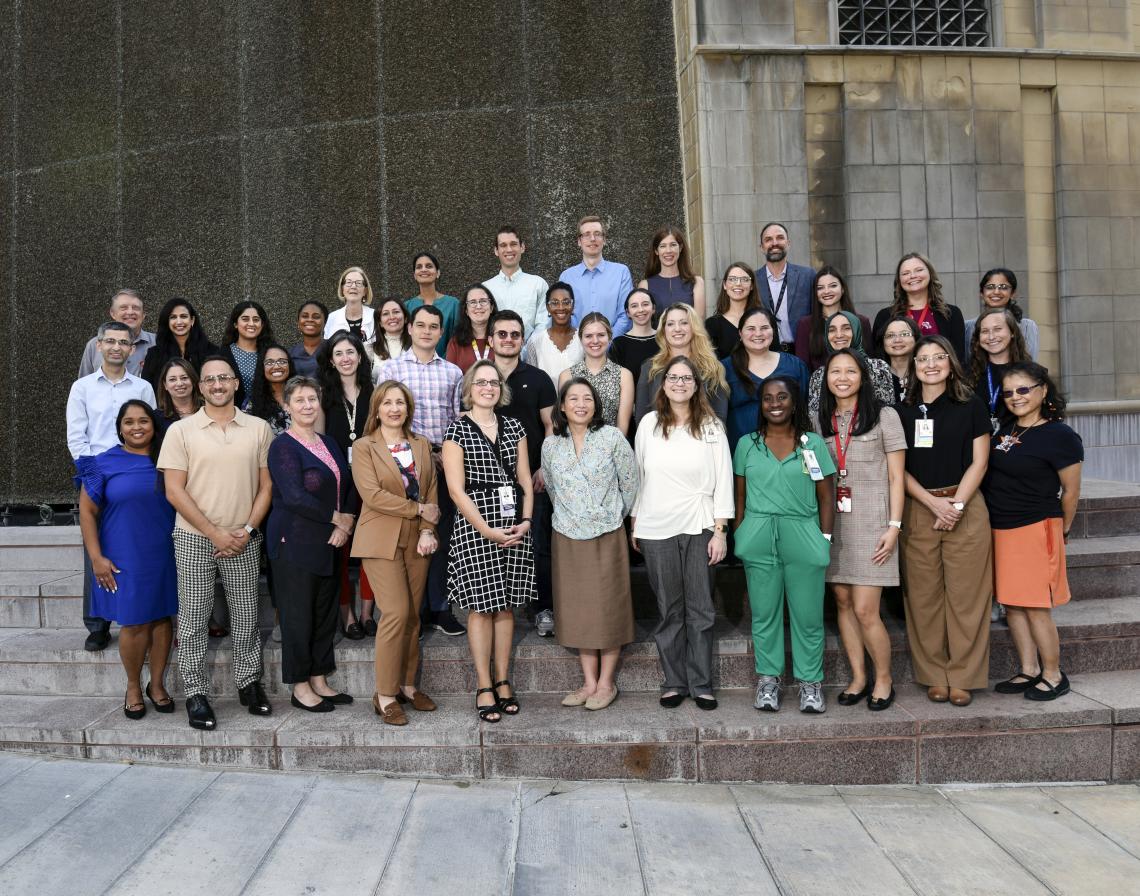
(275, 362)
(997, 287)
(507, 334)
(683, 379)
(121, 343)
(354, 283)
(221, 379)
(479, 303)
(932, 359)
(591, 235)
(1020, 390)
(896, 336)
(484, 384)
(560, 303)
(737, 280)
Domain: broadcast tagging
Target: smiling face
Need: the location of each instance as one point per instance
(425, 272)
(115, 347)
(839, 332)
(479, 306)
(486, 387)
(392, 320)
(774, 243)
(178, 383)
(218, 383)
(738, 284)
(898, 340)
(136, 429)
(560, 307)
(127, 309)
(591, 239)
(578, 405)
(678, 330)
(756, 333)
(345, 358)
(828, 292)
(679, 383)
(249, 324)
(311, 321)
(1025, 405)
(507, 339)
(353, 286)
(843, 376)
(276, 365)
(180, 321)
(595, 340)
(993, 334)
(509, 250)
(776, 402)
(425, 329)
(640, 309)
(668, 251)
(932, 365)
(914, 276)
(998, 291)
(393, 409)
(304, 406)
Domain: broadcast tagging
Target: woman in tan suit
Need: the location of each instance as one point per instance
(395, 535)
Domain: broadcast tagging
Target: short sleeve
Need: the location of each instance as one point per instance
(547, 395)
(173, 456)
(740, 456)
(92, 477)
(1068, 449)
(819, 446)
(264, 440)
(894, 437)
(980, 424)
(453, 433)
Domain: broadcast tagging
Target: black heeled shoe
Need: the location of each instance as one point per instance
(509, 705)
(850, 698)
(168, 706)
(491, 709)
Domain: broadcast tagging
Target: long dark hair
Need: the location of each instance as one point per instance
(957, 389)
(263, 403)
(1015, 309)
(723, 302)
(978, 357)
(558, 416)
(700, 411)
(1053, 406)
(264, 338)
(739, 356)
(162, 394)
(380, 338)
(801, 422)
(817, 338)
(684, 266)
(867, 412)
(198, 344)
(156, 440)
(331, 389)
(464, 331)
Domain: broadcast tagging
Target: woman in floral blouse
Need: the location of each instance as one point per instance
(591, 475)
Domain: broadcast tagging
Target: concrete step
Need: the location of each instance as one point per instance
(1107, 508)
(1096, 636)
(1091, 734)
(1103, 567)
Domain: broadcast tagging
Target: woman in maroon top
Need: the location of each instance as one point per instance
(830, 292)
(918, 293)
(471, 341)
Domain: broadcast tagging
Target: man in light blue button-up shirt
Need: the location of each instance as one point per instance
(513, 288)
(599, 285)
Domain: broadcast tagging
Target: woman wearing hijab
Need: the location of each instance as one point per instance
(844, 330)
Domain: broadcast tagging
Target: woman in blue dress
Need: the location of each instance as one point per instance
(126, 523)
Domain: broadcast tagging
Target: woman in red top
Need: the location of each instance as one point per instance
(918, 294)
(471, 341)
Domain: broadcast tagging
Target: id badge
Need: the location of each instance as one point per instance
(995, 424)
(843, 499)
(507, 501)
(923, 433)
(350, 455)
(812, 465)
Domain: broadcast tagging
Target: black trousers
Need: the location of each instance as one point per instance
(307, 605)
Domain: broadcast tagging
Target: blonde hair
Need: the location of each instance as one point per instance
(367, 284)
(466, 385)
(700, 350)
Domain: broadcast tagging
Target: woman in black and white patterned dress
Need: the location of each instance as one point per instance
(490, 569)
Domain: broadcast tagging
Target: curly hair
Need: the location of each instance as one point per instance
(899, 305)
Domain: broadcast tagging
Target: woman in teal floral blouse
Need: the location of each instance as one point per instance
(591, 475)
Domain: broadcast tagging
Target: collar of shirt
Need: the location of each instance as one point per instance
(203, 419)
(410, 355)
(772, 278)
(599, 268)
(518, 275)
(126, 377)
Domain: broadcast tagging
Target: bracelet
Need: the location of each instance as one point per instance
(826, 535)
(895, 524)
(526, 519)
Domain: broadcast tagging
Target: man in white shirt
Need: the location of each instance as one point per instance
(513, 288)
(126, 308)
(92, 408)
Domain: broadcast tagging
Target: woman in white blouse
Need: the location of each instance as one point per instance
(357, 315)
(557, 347)
(680, 525)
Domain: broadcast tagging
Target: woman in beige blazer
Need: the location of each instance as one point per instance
(395, 535)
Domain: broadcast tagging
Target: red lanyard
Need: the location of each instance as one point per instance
(841, 447)
(921, 319)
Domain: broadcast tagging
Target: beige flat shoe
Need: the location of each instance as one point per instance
(601, 701)
(576, 698)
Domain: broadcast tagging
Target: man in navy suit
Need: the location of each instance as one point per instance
(785, 289)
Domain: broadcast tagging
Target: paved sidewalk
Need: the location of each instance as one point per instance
(75, 828)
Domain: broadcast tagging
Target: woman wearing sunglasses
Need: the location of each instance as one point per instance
(1032, 487)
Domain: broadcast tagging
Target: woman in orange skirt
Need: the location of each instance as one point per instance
(1031, 489)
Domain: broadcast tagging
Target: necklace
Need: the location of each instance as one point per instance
(1010, 439)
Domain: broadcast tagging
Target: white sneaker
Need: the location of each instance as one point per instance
(811, 697)
(544, 623)
(997, 612)
(768, 694)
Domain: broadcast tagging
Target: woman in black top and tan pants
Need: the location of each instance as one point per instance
(946, 548)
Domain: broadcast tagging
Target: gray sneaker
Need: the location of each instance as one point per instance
(544, 623)
(811, 696)
(768, 693)
(997, 612)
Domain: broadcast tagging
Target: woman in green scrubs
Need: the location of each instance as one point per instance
(785, 508)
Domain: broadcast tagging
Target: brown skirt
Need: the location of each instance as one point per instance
(1029, 565)
(593, 607)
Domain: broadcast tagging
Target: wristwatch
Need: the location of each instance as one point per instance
(720, 527)
(959, 506)
(251, 531)
(895, 524)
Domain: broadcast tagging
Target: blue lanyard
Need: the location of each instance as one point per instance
(993, 392)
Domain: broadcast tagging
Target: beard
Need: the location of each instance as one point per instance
(776, 254)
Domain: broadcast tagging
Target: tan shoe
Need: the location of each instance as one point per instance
(938, 693)
(576, 698)
(392, 714)
(960, 697)
(601, 701)
(420, 701)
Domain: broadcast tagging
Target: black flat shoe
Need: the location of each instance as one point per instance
(97, 641)
(672, 701)
(705, 703)
(1051, 692)
(338, 699)
(167, 706)
(1019, 684)
(354, 632)
(370, 628)
(876, 704)
(323, 706)
(133, 711)
(200, 713)
(253, 696)
(849, 698)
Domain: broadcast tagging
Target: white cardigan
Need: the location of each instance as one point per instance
(337, 320)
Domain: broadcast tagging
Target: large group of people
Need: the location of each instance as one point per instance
(520, 445)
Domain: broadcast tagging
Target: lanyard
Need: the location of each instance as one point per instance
(475, 349)
(350, 413)
(841, 447)
(783, 289)
(990, 388)
(922, 318)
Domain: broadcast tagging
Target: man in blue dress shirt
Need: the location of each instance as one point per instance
(599, 285)
(785, 288)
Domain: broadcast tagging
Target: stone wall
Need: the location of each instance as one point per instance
(220, 149)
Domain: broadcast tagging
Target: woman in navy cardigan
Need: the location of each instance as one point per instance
(306, 527)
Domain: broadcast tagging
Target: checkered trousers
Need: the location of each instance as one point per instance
(197, 571)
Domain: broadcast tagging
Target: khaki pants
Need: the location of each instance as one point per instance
(948, 580)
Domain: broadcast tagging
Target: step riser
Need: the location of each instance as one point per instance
(1102, 523)
(68, 558)
(640, 671)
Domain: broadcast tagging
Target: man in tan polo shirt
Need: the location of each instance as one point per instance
(215, 466)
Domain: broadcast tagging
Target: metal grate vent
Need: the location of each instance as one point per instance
(914, 23)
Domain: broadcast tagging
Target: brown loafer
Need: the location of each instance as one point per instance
(960, 697)
(938, 693)
(392, 714)
(420, 701)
